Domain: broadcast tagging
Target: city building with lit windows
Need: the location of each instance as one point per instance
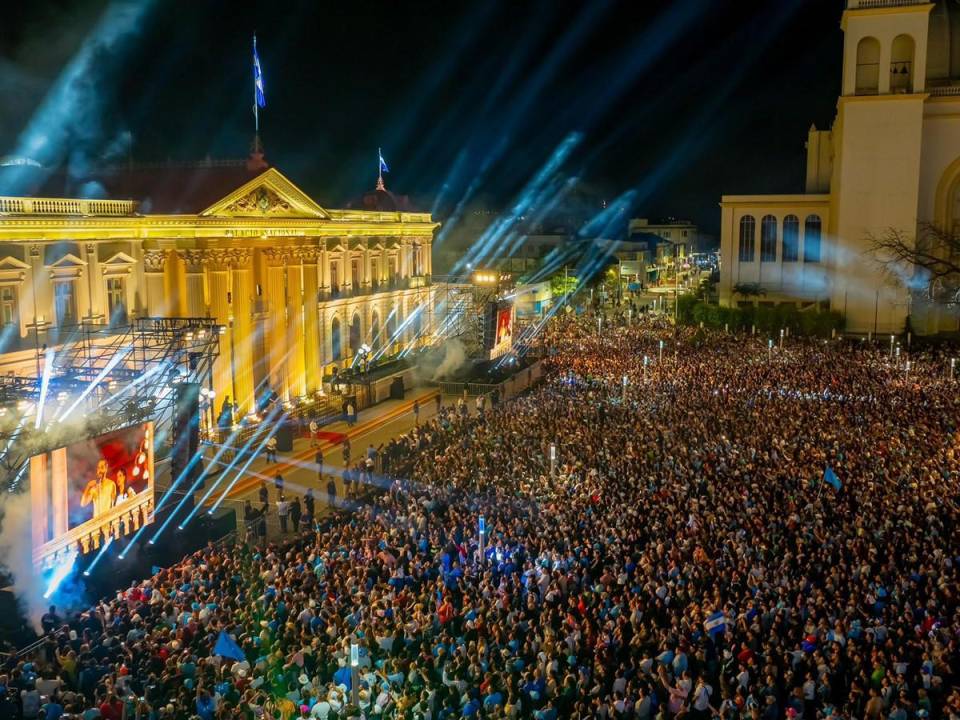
(891, 160)
(298, 288)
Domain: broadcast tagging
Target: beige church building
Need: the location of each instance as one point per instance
(891, 160)
(297, 287)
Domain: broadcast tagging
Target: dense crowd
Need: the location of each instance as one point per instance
(683, 555)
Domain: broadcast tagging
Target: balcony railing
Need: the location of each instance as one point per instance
(349, 291)
(870, 4)
(65, 206)
(944, 90)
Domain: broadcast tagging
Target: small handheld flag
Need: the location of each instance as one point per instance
(715, 624)
(830, 477)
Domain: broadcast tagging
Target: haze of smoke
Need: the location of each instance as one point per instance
(16, 554)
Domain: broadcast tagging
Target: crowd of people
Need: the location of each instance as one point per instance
(661, 540)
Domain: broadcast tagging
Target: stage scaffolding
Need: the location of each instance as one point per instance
(124, 375)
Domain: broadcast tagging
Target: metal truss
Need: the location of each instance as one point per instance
(101, 379)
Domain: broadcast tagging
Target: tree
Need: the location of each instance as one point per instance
(749, 289)
(932, 258)
(560, 284)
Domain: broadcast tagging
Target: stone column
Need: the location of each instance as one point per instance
(193, 268)
(276, 325)
(311, 329)
(244, 333)
(403, 251)
(154, 265)
(296, 378)
(38, 499)
(59, 489)
(218, 276)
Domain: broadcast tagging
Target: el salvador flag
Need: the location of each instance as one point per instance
(383, 163)
(258, 76)
(830, 477)
(715, 624)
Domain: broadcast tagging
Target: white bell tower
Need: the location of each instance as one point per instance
(877, 144)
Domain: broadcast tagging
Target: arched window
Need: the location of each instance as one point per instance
(391, 326)
(748, 233)
(901, 64)
(791, 238)
(336, 344)
(811, 239)
(868, 66)
(768, 239)
(356, 339)
(417, 323)
(375, 338)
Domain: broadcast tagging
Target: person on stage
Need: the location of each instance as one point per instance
(101, 491)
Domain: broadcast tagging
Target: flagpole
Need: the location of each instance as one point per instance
(379, 169)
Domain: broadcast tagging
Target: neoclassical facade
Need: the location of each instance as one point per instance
(891, 161)
(298, 288)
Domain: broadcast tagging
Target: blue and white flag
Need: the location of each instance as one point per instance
(227, 647)
(716, 623)
(383, 163)
(831, 479)
(258, 77)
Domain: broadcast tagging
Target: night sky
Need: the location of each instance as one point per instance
(680, 101)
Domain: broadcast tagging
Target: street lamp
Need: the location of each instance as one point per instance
(624, 389)
(354, 665)
(770, 349)
(599, 324)
(646, 361)
(781, 338)
(553, 459)
(660, 359)
(482, 527)
(891, 347)
(953, 364)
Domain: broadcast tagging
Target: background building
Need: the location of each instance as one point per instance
(298, 288)
(891, 160)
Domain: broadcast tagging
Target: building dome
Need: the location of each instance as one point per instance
(381, 200)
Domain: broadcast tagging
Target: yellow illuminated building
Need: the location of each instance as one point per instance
(298, 287)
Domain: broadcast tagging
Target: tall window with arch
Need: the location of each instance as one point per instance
(355, 334)
(65, 302)
(748, 233)
(868, 67)
(336, 341)
(768, 239)
(812, 230)
(375, 335)
(791, 238)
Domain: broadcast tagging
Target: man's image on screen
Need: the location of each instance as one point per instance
(101, 491)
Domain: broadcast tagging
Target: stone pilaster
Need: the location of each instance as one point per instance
(154, 266)
(296, 377)
(218, 262)
(311, 328)
(193, 269)
(245, 341)
(276, 324)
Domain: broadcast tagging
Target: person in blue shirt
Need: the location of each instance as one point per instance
(206, 705)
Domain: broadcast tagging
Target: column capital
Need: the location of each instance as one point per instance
(219, 259)
(155, 261)
(241, 257)
(309, 254)
(278, 256)
(193, 260)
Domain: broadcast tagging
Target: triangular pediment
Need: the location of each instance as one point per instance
(68, 260)
(270, 194)
(11, 263)
(120, 259)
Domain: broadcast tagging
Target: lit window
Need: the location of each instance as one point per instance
(748, 230)
(768, 239)
(65, 303)
(8, 305)
(811, 239)
(116, 300)
(791, 238)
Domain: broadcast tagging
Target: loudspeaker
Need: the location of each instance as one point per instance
(284, 438)
(185, 427)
